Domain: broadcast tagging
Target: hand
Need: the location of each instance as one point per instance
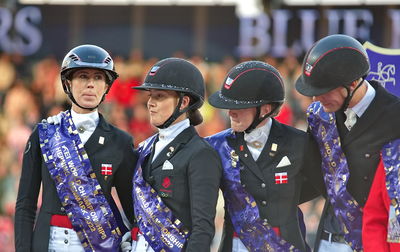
(126, 245)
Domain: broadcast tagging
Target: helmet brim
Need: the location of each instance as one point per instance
(217, 100)
(306, 89)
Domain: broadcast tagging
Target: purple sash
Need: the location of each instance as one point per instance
(336, 173)
(162, 230)
(77, 187)
(391, 162)
(255, 233)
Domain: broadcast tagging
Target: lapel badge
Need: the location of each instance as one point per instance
(101, 140)
(235, 158)
(274, 148)
(171, 150)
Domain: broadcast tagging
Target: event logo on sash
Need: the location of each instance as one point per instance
(385, 67)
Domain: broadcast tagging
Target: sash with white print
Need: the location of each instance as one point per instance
(90, 213)
(255, 233)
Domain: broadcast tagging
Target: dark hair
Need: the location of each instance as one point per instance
(195, 117)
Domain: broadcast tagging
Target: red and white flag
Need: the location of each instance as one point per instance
(281, 178)
(106, 169)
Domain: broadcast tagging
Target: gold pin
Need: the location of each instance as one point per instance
(255, 144)
(274, 147)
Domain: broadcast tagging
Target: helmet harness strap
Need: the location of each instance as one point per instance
(350, 94)
(177, 112)
(257, 119)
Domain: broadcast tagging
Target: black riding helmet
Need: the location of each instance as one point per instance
(178, 75)
(87, 56)
(250, 84)
(334, 61)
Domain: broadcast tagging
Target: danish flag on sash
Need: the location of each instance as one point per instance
(106, 169)
(281, 178)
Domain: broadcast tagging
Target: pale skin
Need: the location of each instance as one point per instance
(87, 86)
(241, 119)
(333, 100)
(161, 105)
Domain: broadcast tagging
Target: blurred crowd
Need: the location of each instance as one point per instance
(31, 91)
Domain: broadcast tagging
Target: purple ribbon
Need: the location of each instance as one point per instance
(78, 189)
(391, 162)
(161, 229)
(336, 173)
(255, 233)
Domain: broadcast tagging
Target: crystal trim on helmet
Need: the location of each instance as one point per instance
(168, 86)
(238, 101)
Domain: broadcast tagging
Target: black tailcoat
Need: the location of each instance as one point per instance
(191, 191)
(277, 203)
(379, 124)
(31, 232)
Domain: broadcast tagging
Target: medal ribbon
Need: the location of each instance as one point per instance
(255, 233)
(336, 173)
(162, 230)
(79, 191)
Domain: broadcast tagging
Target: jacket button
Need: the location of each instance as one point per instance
(65, 231)
(262, 185)
(264, 203)
(367, 155)
(365, 177)
(66, 241)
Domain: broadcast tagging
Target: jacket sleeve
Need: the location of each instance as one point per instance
(376, 214)
(123, 180)
(204, 174)
(28, 191)
(313, 184)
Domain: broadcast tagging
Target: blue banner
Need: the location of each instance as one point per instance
(385, 67)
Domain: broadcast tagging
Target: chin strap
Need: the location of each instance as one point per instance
(257, 119)
(177, 112)
(350, 94)
(71, 97)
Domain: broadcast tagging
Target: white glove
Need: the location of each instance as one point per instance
(56, 119)
(126, 245)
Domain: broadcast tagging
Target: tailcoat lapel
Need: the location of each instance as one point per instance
(99, 138)
(169, 151)
(370, 116)
(268, 154)
(239, 145)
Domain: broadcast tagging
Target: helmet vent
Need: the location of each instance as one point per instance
(74, 57)
(107, 60)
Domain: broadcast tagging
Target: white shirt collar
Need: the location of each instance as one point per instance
(363, 104)
(168, 134)
(85, 124)
(259, 134)
(85, 119)
(165, 136)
